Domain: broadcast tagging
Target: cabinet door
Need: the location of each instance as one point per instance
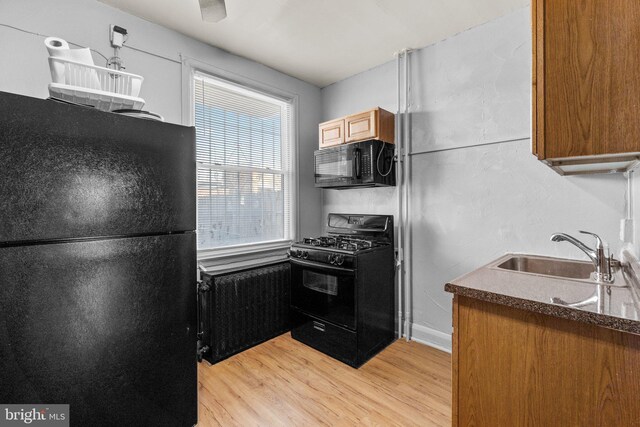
(331, 133)
(546, 370)
(586, 77)
(363, 126)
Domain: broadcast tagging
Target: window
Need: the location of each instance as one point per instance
(243, 152)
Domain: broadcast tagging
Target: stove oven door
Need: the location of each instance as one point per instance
(324, 291)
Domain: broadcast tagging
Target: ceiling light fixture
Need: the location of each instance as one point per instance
(213, 10)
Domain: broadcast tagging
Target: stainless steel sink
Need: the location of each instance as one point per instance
(549, 267)
(556, 267)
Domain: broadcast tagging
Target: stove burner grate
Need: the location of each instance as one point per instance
(348, 243)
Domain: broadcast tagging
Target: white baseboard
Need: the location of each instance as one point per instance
(431, 337)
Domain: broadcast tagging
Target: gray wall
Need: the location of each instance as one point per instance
(85, 22)
(476, 192)
(373, 88)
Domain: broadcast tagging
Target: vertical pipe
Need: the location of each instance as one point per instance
(630, 194)
(399, 175)
(627, 226)
(406, 146)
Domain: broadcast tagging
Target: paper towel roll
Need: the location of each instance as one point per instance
(56, 46)
(59, 48)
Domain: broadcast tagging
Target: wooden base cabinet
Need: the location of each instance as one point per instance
(518, 368)
(586, 84)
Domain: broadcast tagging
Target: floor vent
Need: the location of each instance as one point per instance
(241, 309)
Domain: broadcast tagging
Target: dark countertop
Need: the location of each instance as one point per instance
(619, 306)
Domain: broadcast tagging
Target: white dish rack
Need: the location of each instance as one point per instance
(102, 88)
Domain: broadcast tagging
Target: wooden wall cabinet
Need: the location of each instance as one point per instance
(331, 133)
(519, 368)
(371, 124)
(586, 84)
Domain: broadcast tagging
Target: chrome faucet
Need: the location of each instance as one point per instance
(600, 259)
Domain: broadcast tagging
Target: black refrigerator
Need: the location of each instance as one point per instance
(97, 264)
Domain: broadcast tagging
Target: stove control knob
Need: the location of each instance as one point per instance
(330, 258)
(339, 259)
(305, 255)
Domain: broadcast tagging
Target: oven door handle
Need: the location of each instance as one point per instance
(321, 265)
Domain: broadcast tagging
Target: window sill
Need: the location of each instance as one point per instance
(219, 261)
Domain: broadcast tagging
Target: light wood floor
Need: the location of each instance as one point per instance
(285, 383)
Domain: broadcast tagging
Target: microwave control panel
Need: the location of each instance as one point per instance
(366, 165)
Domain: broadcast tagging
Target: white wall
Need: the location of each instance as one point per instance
(476, 190)
(25, 69)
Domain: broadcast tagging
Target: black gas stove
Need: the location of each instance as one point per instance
(337, 250)
(343, 287)
(346, 234)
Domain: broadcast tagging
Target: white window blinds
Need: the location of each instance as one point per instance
(243, 148)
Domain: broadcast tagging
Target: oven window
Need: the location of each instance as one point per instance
(324, 283)
(326, 293)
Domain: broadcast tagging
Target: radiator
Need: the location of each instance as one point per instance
(241, 309)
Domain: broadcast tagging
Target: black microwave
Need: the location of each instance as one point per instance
(360, 164)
